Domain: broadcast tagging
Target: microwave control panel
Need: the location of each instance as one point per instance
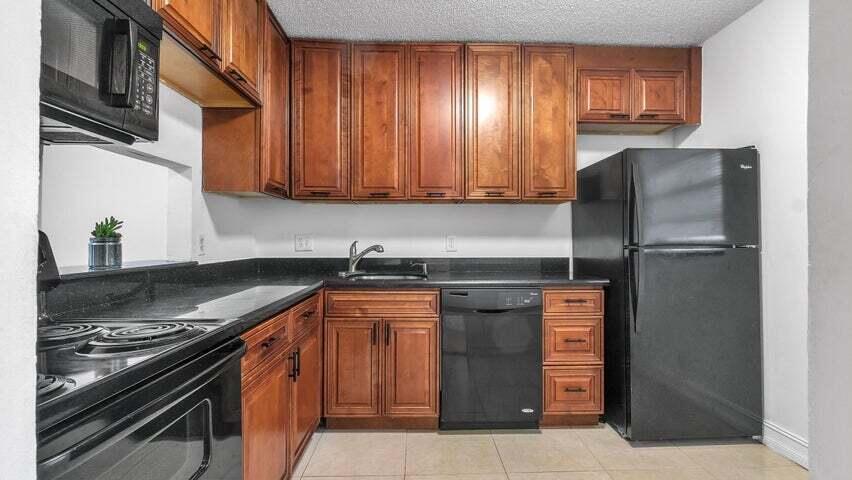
(145, 99)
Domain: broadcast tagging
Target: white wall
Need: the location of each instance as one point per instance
(830, 226)
(20, 29)
(755, 92)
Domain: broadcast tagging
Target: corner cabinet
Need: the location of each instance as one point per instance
(493, 127)
(549, 149)
(320, 146)
(382, 359)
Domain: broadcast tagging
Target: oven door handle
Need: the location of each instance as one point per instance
(189, 377)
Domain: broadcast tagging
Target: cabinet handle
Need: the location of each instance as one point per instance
(574, 340)
(320, 194)
(619, 115)
(435, 194)
(237, 76)
(493, 194)
(293, 372)
(379, 194)
(268, 343)
(299, 362)
(373, 335)
(209, 52)
(576, 300)
(308, 314)
(575, 390)
(387, 334)
(546, 194)
(649, 115)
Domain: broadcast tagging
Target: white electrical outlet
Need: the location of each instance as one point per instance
(304, 243)
(450, 244)
(202, 245)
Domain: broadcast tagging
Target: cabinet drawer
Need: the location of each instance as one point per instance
(573, 301)
(573, 340)
(416, 303)
(305, 316)
(265, 340)
(577, 390)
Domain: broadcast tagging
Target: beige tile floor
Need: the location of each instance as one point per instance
(551, 454)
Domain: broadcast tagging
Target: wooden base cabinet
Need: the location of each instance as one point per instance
(266, 421)
(572, 377)
(306, 397)
(381, 372)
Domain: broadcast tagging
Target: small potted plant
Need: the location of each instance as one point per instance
(105, 244)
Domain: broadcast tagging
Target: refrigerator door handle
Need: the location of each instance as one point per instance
(633, 273)
(635, 225)
(697, 251)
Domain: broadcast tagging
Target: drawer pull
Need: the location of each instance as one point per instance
(268, 343)
(494, 194)
(574, 340)
(435, 194)
(577, 301)
(575, 390)
(649, 115)
(308, 314)
(619, 115)
(320, 194)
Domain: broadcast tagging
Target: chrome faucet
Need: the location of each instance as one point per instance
(355, 257)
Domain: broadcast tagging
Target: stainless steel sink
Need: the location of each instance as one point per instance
(388, 276)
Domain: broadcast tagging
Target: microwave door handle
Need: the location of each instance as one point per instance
(121, 27)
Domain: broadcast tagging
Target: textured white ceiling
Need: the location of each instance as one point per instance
(606, 22)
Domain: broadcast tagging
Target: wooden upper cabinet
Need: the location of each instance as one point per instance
(659, 96)
(411, 367)
(197, 20)
(352, 378)
(550, 169)
(241, 49)
(604, 95)
(435, 121)
(275, 138)
(493, 127)
(320, 120)
(378, 121)
(266, 413)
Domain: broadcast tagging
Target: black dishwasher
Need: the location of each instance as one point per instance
(490, 358)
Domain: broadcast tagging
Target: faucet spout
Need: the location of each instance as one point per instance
(355, 257)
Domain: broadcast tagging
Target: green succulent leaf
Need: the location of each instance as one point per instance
(108, 228)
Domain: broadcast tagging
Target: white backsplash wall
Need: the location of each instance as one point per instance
(756, 93)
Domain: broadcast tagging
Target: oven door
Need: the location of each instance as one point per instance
(184, 425)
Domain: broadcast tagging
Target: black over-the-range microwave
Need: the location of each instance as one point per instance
(99, 71)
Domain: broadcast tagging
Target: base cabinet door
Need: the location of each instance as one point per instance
(266, 411)
(306, 394)
(411, 367)
(352, 368)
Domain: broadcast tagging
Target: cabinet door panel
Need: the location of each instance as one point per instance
(320, 120)
(411, 367)
(493, 121)
(660, 96)
(242, 42)
(197, 20)
(307, 393)
(605, 95)
(265, 424)
(378, 123)
(275, 174)
(436, 159)
(550, 170)
(352, 368)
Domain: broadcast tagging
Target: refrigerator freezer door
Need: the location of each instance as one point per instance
(695, 348)
(692, 197)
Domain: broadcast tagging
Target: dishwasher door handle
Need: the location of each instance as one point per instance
(492, 311)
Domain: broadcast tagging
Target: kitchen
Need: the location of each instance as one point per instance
(336, 349)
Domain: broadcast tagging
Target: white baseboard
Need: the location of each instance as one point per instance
(785, 443)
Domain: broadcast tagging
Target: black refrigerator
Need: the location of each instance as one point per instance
(677, 231)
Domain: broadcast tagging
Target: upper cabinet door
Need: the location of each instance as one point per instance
(660, 95)
(436, 116)
(378, 121)
(550, 169)
(605, 95)
(274, 172)
(242, 42)
(320, 120)
(197, 20)
(493, 121)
